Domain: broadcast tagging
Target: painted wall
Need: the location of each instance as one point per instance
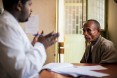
(112, 21)
(46, 11)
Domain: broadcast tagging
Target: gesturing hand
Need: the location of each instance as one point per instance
(35, 39)
(49, 39)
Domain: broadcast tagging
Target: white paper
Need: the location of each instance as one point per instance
(32, 25)
(75, 71)
(55, 66)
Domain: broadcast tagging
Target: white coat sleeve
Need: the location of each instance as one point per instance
(18, 57)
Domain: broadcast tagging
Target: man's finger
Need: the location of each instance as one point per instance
(54, 36)
(48, 35)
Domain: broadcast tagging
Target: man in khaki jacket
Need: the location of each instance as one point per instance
(99, 50)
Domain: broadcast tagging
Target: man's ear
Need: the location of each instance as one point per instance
(98, 30)
(19, 6)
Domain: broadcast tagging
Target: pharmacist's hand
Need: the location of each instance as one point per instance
(49, 39)
(35, 39)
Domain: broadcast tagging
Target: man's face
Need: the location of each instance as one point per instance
(90, 31)
(26, 11)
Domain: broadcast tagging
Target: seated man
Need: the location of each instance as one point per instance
(99, 50)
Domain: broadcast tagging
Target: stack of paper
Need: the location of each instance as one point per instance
(75, 71)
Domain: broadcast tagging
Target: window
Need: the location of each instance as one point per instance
(71, 16)
(74, 16)
(96, 10)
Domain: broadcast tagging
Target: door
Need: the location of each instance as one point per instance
(71, 16)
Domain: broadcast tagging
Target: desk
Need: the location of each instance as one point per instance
(112, 70)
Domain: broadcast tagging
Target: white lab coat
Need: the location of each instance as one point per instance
(18, 58)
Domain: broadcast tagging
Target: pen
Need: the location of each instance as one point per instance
(37, 34)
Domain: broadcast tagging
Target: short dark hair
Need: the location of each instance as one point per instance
(95, 22)
(8, 4)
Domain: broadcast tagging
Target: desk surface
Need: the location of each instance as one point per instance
(112, 70)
